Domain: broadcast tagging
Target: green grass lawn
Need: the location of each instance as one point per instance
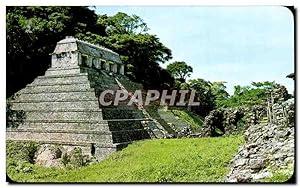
(165, 160)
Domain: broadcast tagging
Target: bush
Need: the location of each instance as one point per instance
(20, 157)
(76, 159)
(13, 117)
(21, 151)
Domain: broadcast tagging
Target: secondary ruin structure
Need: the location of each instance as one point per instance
(62, 106)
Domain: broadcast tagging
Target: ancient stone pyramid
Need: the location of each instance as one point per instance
(62, 106)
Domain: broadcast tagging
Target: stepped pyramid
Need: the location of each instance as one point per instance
(62, 106)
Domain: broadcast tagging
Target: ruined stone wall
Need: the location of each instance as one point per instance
(231, 120)
(268, 146)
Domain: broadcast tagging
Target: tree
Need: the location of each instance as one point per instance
(122, 23)
(32, 33)
(180, 70)
(140, 51)
(255, 94)
(264, 85)
(219, 91)
(203, 94)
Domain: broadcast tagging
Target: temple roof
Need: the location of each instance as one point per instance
(71, 44)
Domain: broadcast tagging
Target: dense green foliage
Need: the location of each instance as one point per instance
(32, 33)
(218, 89)
(20, 156)
(140, 51)
(256, 94)
(14, 118)
(180, 70)
(212, 95)
(204, 94)
(171, 160)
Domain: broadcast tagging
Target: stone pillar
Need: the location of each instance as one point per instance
(53, 60)
(89, 61)
(115, 68)
(107, 68)
(122, 69)
(96, 63)
(79, 59)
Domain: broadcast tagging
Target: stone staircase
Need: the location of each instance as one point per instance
(178, 126)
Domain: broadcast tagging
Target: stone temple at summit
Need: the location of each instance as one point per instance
(62, 107)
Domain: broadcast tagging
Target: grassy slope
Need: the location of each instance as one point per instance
(173, 160)
(192, 119)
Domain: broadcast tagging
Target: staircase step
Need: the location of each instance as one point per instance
(64, 68)
(97, 126)
(59, 80)
(119, 107)
(59, 71)
(84, 74)
(53, 106)
(75, 135)
(75, 131)
(104, 86)
(130, 135)
(125, 124)
(63, 115)
(57, 88)
(61, 96)
(91, 121)
(115, 113)
(102, 125)
(45, 135)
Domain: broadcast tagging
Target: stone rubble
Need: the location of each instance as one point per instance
(266, 145)
(51, 155)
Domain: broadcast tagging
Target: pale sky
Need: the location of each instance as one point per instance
(237, 44)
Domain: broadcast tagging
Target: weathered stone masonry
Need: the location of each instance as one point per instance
(71, 52)
(267, 145)
(62, 106)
